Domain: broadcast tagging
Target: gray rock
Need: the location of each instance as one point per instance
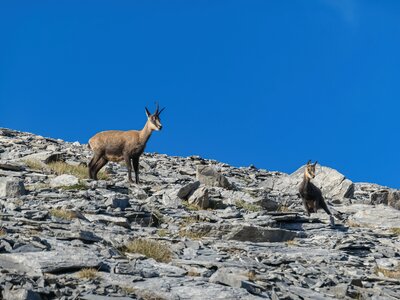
(44, 157)
(99, 297)
(36, 263)
(332, 184)
(229, 276)
(209, 176)
(187, 190)
(64, 180)
(171, 199)
(121, 221)
(11, 187)
(394, 199)
(200, 198)
(379, 216)
(20, 294)
(380, 197)
(260, 234)
(118, 202)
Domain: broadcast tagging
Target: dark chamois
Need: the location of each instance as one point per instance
(116, 145)
(311, 195)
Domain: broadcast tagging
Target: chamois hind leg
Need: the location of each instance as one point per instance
(129, 166)
(306, 206)
(135, 164)
(96, 168)
(324, 206)
(92, 163)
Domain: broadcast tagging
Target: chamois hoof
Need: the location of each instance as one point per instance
(331, 221)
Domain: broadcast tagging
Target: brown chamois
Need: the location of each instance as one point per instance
(311, 195)
(117, 145)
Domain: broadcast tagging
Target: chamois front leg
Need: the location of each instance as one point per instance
(306, 206)
(129, 166)
(135, 163)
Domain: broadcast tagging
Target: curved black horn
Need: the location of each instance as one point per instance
(157, 107)
(160, 111)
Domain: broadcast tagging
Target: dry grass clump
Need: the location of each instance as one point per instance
(395, 230)
(351, 223)
(149, 248)
(163, 232)
(88, 273)
(283, 208)
(389, 273)
(63, 213)
(189, 206)
(251, 275)
(247, 206)
(192, 234)
(3, 232)
(291, 243)
(79, 186)
(79, 171)
(60, 167)
(34, 164)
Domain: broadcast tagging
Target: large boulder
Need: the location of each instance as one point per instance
(44, 157)
(200, 198)
(187, 190)
(64, 180)
(377, 216)
(209, 176)
(333, 184)
(11, 187)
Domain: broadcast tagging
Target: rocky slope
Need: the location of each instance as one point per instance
(193, 229)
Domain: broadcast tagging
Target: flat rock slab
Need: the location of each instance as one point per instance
(11, 187)
(378, 216)
(177, 288)
(121, 221)
(99, 297)
(37, 263)
(261, 234)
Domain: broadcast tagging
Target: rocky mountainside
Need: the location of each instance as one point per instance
(193, 229)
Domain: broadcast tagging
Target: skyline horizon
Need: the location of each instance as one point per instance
(268, 83)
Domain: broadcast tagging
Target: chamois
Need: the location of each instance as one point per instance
(311, 195)
(117, 145)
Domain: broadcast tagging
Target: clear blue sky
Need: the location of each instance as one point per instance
(269, 83)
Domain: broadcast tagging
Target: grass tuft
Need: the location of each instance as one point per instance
(189, 206)
(3, 232)
(163, 232)
(34, 164)
(283, 208)
(149, 248)
(63, 213)
(247, 206)
(79, 186)
(291, 243)
(88, 273)
(79, 171)
(191, 234)
(389, 273)
(60, 167)
(395, 230)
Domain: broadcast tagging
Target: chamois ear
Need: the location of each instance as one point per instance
(315, 163)
(147, 112)
(308, 162)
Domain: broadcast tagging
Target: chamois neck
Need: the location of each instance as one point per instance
(145, 133)
(306, 179)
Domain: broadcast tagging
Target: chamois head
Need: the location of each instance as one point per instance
(309, 171)
(154, 119)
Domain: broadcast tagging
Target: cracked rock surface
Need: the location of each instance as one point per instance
(214, 231)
